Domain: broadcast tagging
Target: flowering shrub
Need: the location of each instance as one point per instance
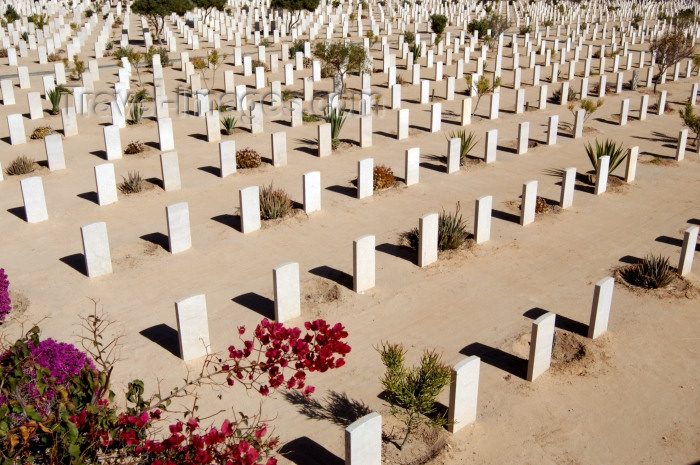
(5, 302)
(83, 424)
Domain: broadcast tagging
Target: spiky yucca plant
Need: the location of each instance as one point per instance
(609, 148)
(467, 142)
(336, 117)
(132, 184)
(653, 272)
(20, 165)
(452, 232)
(229, 123)
(274, 203)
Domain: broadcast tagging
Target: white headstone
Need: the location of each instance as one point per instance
(363, 263)
(227, 158)
(464, 392)
(428, 239)
(250, 209)
(170, 170)
(179, 236)
(34, 200)
(541, 346)
(113, 142)
(106, 184)
(287, 293)
(600, 311)
(192, 326)
(98, 260)
(54, 152)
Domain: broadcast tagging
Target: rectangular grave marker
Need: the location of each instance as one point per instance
(482, 219)
(165, 134)
(278, 141)
(113, 143)
(567, 188)
(428, 239)
(312, 191)
(98, 261)
(365, 178)
(250, 209)
(529, 199)
(179, 236)
(170, 170)
(34, 199)
(227, 158)
(464, 393)
(690, 239)
(106, 184)
(15, 122)
(192, 327)
(54, 152)
(601, 178)
(363, 263)
(541, 346)
(363, 441)
(600, 311)
(285, 279)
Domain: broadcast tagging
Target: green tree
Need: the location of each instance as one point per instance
(11, 14)
(670, 48)
(156, 11)
(438, 23)
(209, 5)
(341, 58)
(294, 7)
(133, 56)
(691, 120)
(412, 392)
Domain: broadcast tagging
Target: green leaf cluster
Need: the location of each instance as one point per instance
(412, 391)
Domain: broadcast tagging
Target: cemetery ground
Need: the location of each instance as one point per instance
(630, 396)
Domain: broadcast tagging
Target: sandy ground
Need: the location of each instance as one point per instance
(633, 398)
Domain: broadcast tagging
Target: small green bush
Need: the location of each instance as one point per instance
(467, 142)
(412, 392)
(229, 123)
(608, 148)
(452, 232)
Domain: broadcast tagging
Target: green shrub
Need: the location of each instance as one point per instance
(467, 142)
(609, 148)
(690, 119)
(132, 184)
(229, 123)
(336, 117)
(309, 118)
(274, 203)
(409, 37)
(55, 96)
(413, 391)
(452, 232)
(247, 158)
(438, 23)
(20, 165)
(651, 273)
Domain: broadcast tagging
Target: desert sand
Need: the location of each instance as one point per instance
(632, 397)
